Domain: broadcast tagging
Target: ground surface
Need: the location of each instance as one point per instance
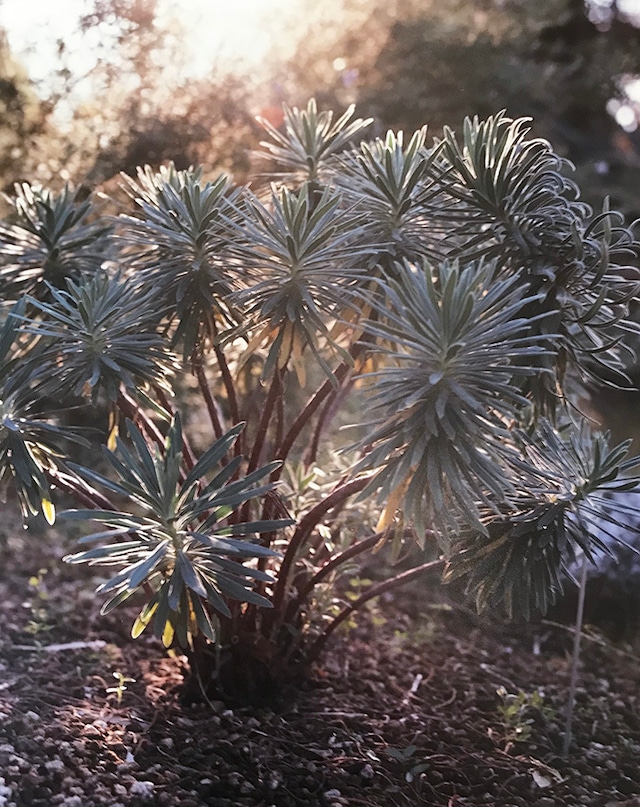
(404, 710)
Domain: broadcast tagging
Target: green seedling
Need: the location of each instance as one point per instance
(518, 713)
(121, 687)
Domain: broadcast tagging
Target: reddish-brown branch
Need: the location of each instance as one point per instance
(270, 405)
(131, 409)
(333, 563)
(374, 591)
(80, 490)
(227, 380)
(188, 453)
(328, 412)
(279, 426)
(305, 528)
(308, 412)
(212, 407)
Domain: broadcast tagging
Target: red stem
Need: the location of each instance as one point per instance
(211, 405)
(234, 409)
(279, 427)
(337, 560)
(374, 591)
(304, 529)
(275, 391)
(80, 490)
(229, 386)
(137, 414)
(328, 411)
(189, 456)
(307, 413)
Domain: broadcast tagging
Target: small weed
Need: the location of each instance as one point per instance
(358, 585)
(425, 628)
(518, 714)
(121, 687)
(36, 582)
(406, 756)
(39, 622)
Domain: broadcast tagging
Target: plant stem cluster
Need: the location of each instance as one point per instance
(451, 300)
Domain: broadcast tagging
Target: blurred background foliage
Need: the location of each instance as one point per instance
(569, 64)
(572, 65)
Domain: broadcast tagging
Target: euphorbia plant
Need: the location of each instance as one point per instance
(457, 293)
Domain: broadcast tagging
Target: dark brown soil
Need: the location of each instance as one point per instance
(404, 709)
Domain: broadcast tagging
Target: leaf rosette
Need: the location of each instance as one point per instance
(454, 346)
(182, 548)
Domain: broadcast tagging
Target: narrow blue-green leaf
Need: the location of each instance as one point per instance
(105, 552)
(114, 602)
(189, 574)
(259, 527)
(213, 455)
(140, 571)
(238, 592)
(175, 588)
(214, 598)
(203, 619)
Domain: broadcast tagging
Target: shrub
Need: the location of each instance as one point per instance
(454, 300)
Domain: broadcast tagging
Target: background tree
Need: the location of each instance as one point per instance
(22, 115)
(558, 61)
(129, 101)
(566, 63)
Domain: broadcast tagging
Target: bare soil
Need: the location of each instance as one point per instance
(419, 703)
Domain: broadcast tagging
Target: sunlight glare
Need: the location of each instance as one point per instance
(230, 36)
(234, 35)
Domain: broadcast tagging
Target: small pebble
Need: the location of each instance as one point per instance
(5, 791)
(143, 790)
(367, 772)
